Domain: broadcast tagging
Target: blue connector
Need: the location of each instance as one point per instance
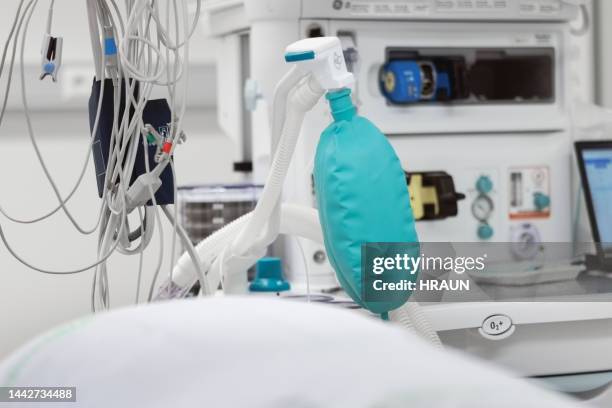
(269, 276)
(110, 47)
(411, 81)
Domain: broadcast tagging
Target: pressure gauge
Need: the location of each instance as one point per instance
(526, 242)
(482, 207)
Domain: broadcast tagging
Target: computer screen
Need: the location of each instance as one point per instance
(595, 160)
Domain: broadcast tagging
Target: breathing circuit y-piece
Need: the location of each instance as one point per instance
(323, 58)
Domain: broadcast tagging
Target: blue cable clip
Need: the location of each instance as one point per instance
(110, 47)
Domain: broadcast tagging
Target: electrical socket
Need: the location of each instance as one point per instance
(76, 82)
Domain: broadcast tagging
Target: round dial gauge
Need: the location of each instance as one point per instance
(482, 207)
(526, 242)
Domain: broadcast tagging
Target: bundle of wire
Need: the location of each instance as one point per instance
(134, 46)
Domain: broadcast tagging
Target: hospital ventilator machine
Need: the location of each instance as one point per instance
(475, 98)
(349, 214)
(440, 89)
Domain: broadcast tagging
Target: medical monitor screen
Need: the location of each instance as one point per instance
(595, 160)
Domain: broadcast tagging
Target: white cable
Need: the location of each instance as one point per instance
(164, 36)
(172, 96)
(24, 100)
(159, 223)
(31, 130)
(190, 249)
(10, 36)
(83, 168)
(51, 272)
(94, 35)
(140, 263)
(138, 59)
(50, 16)
(147, 229)
(40, 218)
(306, 268)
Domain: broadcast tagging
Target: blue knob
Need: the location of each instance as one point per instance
(541, 201)
(269, 276)
(484, 184)
(485, 231)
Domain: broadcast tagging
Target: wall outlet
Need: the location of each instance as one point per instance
(76, 82)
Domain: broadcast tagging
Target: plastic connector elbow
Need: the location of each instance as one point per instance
(324, 58)
(141, 190)
(144, 187)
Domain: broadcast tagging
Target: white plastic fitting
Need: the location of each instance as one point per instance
(323, 57)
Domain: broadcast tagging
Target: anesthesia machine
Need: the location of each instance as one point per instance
(459, 107)
(482, 125)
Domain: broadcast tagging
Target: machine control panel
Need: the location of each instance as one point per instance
(483, 206)
(468, 76)
(497, 327)
(440, 9)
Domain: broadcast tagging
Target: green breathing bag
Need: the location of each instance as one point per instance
(362, 197)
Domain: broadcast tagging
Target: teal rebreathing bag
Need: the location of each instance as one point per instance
(362, 197)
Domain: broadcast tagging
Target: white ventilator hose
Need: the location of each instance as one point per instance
(296, 220)
(291, 102)
(246, 242)
(411, 316)
(303, 98)
(279, 104)
(277, 121)
(232, 267)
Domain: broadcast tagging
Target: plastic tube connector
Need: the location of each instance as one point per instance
(341, 104)
(323, 57)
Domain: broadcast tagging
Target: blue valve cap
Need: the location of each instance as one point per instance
(484, 184)
(485, 232)
(269, 276)
(541, 201)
